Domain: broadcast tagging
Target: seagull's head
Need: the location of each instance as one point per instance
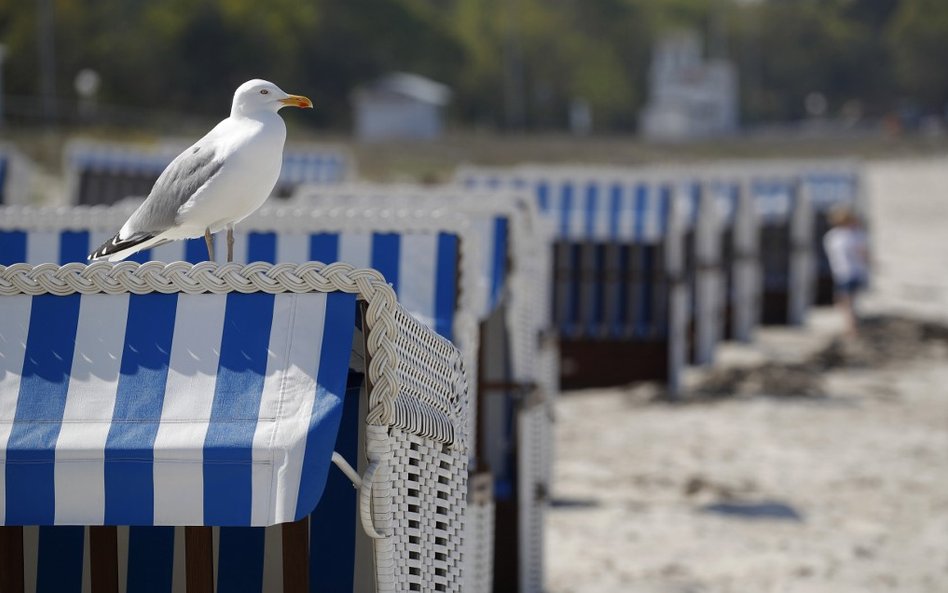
(258, 95)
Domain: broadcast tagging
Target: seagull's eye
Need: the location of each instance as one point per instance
(264, 92)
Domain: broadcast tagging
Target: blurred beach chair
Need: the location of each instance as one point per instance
(16, 176)
(107, 172)
(619, 298)
(170, 428)
(786, 244)
(516, 377)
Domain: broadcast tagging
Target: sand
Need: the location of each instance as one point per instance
(837, 484)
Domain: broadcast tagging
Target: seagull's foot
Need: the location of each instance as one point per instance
(210, 244)
(230, 243)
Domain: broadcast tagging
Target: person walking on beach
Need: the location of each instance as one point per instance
(847, 249)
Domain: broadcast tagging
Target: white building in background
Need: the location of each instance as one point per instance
(400, 106)
(689, 97)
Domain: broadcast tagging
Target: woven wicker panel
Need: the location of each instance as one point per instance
(428, 500)
(533, 465)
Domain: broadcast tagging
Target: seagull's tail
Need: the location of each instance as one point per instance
(117, 249)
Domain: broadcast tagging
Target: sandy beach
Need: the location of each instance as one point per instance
(798, 463)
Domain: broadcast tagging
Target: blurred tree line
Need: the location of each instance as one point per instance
(511, 63)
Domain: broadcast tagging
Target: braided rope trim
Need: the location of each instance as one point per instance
(390, 401)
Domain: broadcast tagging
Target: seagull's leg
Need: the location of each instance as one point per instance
(230, 243)
(210, 244)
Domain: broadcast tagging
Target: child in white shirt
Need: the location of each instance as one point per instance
(847, 248)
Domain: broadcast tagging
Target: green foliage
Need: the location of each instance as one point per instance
(510, 62)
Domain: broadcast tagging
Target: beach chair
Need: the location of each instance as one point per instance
(171, 427)
(619, 298)
(511, 422)
(786, 245)
(107, 172)
(16, 176)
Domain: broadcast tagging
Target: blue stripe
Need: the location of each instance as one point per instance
(129, 485)
(641, 211)
(622, 314)
(150, 559)
(261, 247)
(338, 330)
(446, 284)
(644, 317)
(39, 410)
(566, 206)
(592, 199)
(575, 286)
(386, 248)
(141, 257)
(499, 266)
(59, 559)
(615, 210)
(237, 393)
(543, 196)
(12, 247)
(599, 285)
(73, 247)
(324, 247)
(331, 535)
(195, 250)
(240, 559)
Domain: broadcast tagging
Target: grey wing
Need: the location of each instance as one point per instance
(186, 174)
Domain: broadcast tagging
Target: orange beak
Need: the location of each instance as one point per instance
(297, 101)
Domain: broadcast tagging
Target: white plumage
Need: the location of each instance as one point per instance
(216, 182)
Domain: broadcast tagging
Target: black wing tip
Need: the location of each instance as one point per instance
(115, 244)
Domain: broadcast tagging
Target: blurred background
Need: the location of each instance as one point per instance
(488, 80)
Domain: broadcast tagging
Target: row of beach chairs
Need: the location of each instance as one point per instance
(363, 400)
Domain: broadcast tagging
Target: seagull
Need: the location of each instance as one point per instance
(216, 182)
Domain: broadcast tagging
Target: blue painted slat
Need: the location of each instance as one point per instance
(150, 559)
(237, 394)
(386, 249)
(129, 483)
(30, 488)
(12, 247)
(261, 247)
(446, 284)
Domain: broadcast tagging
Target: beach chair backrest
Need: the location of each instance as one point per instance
(107, 172)
(16, 176)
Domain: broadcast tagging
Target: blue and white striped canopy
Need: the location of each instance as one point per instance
(422, 267)
(596, 210)
(299, 166)
(493, 235)
(827, 189)
(169, 409)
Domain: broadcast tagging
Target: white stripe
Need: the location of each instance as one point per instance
(292, 248)
(651, 228)
(79, 472)
(484, 230)
(42, 247)
(169, 252)
(14, 328)
(417, 276)
(627, 211)
(355, 249)
(603, 210)
(192, 370)
(287, 404)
